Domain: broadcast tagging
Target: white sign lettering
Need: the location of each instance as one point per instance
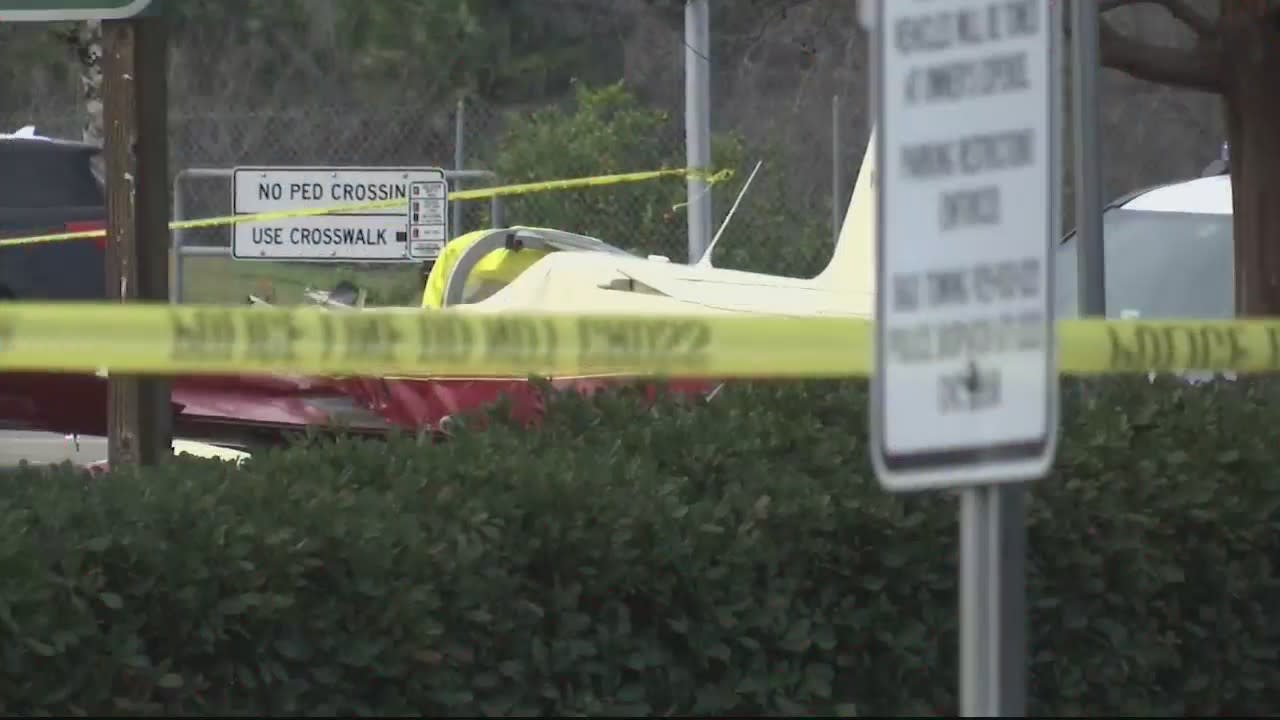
(966, 377)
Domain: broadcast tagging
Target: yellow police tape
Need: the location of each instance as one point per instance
(172, 339)
(712, 178)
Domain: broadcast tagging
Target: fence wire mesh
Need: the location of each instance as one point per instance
(531, 96)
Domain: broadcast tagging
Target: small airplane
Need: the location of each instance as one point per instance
(571, 272)
(609, 280)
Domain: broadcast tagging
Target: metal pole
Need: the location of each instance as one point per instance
(1060, 61)
(459, 163)
(179, 214)
(993, 654)
(837, 166)
(697, 122)
(497, 215)
(1010, 539)
(975, 637)
(1088, 162)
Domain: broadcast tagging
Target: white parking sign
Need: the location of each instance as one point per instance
(965, 386)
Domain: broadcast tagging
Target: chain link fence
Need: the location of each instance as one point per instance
(788, 90)
(319, 134)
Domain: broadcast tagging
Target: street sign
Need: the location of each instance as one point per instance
(379, 234)
(965, 385)
(61, 10)
(965, 388)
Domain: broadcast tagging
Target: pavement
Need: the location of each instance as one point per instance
(48, 448)
(42, 448)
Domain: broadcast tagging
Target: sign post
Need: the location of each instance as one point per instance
(404, 232)
(135, 120)
(965, 388)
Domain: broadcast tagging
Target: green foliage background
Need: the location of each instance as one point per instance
(608, 130)
(503, 57)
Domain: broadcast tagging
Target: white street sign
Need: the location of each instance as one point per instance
(375, 234)
(965, 388)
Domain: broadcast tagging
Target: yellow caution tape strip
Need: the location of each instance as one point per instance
(171, 339)
(476, 194)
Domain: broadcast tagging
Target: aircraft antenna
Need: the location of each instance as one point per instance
(705, 260)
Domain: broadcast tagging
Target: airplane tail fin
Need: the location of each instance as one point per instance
(852, 270)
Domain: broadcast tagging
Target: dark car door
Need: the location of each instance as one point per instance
(48, 186)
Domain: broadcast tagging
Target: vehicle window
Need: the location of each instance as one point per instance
(40, 174)
(1158, 264)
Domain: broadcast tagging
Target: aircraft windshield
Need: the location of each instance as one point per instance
(1158, 264)
(488, 266)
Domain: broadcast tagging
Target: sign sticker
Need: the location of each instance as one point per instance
(428, 219)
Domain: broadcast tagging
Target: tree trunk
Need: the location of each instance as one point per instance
(88, 47)
(1252, 97)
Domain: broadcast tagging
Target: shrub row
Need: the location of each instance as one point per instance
(736, 557)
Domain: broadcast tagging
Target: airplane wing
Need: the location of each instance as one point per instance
(744, 292)
(573, 281)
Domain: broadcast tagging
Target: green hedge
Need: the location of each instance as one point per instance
(736, 558)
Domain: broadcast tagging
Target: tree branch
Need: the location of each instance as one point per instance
(1181, 10)
(1196, 69)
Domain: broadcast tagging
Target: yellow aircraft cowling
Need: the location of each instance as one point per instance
(498, 268)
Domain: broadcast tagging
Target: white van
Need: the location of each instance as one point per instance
(1168, 253)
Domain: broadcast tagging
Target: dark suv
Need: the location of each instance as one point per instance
(48, 186)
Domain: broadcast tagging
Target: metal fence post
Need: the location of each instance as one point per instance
(1090, 244)
(497, 214)
(697, 69)
(459, 161)
(837, 171)
(179, 214)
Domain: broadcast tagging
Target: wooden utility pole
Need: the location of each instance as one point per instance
(135, 116)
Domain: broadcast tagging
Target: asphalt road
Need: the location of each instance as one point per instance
(45, 448)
